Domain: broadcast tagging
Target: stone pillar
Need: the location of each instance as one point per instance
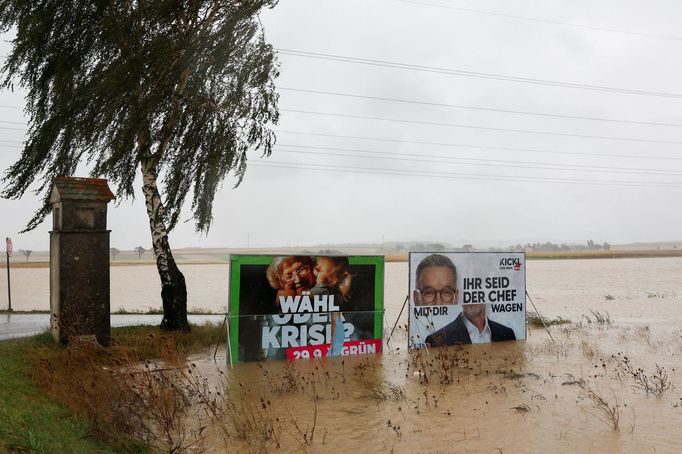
(79, 259)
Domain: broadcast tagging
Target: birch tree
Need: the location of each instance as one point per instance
(178, 90)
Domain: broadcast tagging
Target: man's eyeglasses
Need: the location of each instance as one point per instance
(447, 294)
(301, 272)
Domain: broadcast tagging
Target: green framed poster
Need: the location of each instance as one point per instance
(304, 306)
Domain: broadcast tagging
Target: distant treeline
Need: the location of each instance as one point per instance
(548, 246)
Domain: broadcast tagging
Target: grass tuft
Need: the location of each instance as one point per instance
(599, 318)
(604, 411)
(384, 390)
(535, 320)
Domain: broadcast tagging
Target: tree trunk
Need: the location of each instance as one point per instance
(173, 287)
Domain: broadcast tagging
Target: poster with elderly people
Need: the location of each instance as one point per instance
(304, 306)
(466, 298)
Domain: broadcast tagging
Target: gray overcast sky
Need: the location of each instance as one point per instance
(482, 184)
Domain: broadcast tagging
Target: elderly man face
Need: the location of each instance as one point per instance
(436, 287)
(297, 276)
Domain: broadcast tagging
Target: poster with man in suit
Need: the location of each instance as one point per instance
(466, 298)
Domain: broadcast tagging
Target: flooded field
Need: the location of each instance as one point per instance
(605, 382)
(538, 396)
(626, 288)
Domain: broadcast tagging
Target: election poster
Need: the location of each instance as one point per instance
(304, 306)
(466, 298)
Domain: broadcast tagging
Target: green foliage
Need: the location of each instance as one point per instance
(28, 420)
(184, 87)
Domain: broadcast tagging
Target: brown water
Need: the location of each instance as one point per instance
(511, 398)
(507, 397)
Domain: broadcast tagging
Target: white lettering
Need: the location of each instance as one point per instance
(289, 304)
(306, 305)
(303, 336)
(316, 336)
(301, 318)
(348, 330)
(320, 303)
(332, 307)
(289, 335)
(281, 319)
(320, 318)
(269, 338)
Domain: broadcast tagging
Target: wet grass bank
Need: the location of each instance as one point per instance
(58, 399)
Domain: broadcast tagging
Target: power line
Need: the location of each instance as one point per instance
(479, 162)
(461, 176)
(485, 109)
(546, 21)
(17, 144)
(474, 74)
(452, 125)
(483, 147)
(484, 128)
(468, 161)
(471, 159)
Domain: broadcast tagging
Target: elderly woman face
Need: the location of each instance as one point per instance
(297, 276)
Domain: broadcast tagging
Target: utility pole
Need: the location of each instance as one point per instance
(8, 251)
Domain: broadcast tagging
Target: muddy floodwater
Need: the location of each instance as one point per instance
(605, 381)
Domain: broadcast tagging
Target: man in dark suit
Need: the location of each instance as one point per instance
(437, 285)
(457, 333)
